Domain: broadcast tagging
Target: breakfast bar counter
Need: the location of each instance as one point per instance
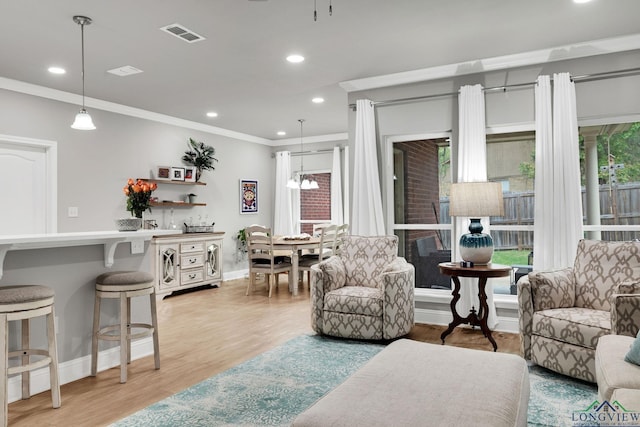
(69, 263)
(110, 240)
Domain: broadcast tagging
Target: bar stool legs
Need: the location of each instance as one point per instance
(24, 303)
(124, 286)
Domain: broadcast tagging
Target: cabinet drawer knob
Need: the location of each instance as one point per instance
(193, 260)
(192, 276)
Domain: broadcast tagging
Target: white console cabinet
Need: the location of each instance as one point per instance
(186, 261)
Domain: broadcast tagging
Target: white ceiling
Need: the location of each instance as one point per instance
(240, 70)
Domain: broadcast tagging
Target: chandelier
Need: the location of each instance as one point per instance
(303, 183)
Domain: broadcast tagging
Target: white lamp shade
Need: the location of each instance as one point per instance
(293, 184)
(83, 121)
(305, 185)
(314, 185)
(476, 199)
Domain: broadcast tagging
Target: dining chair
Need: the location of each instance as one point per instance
(262, 258)
(341, 233)
(325, 249)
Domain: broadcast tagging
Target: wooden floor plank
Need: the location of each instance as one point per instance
(203, 333)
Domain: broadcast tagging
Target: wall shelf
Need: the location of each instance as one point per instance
(160, 204)
(175, 204)
(163, 181)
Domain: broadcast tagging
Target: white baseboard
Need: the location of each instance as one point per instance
(237, 274)
(76, 369)
(439, 317)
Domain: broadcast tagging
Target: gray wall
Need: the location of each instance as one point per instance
(93, 166)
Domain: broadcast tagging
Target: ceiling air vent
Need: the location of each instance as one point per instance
(182, 33)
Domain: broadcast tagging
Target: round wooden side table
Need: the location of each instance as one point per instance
(482, 273)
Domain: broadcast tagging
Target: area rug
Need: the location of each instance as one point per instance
(555, 399)
(268, 390)
(276, 386)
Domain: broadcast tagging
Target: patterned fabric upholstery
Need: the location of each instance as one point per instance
(625, 308)
(563, 313)
(366, 292)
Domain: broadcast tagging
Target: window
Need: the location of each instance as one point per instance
(315, 205)
(421, 176)
(421, 182)
(610, 167)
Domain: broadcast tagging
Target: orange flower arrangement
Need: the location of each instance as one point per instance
(138, 196)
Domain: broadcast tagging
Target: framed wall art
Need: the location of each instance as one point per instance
(190, 174)
(163, 173)
(248, 196)
(177, 174)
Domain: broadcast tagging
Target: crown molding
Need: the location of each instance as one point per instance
(560, 53)
(312, 139)
(71, 98)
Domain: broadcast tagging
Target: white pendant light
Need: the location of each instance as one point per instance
(83, 119)
(302, 182)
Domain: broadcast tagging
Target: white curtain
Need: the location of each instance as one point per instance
(336, 189)
(472, 167)
(283, 212)
(367, 219)
(558, 197)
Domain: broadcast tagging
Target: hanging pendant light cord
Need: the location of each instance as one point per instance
(82, 44)
(301, 155)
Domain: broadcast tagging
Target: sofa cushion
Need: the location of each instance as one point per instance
(600, 266)
(633, 355)
(579, 326)
(628, 398)
(612, 372)
(355, 300)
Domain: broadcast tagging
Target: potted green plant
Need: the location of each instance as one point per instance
(200, 155)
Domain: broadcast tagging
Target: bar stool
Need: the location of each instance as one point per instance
(24, 303)
(124, 285)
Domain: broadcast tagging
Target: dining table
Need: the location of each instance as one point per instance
(295, 245)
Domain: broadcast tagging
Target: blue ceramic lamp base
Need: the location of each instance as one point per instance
(476, 246)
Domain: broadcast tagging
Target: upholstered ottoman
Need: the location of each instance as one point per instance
(612, 372)
(411, 383)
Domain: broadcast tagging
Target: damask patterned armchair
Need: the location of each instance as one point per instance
(563, 313)
(366, 292)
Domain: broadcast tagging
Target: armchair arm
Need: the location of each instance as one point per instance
(325, 276)
(625, 309)
(525, 315)
(398, 285)
(553, 289)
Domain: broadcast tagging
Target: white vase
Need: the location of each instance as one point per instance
(128, 224)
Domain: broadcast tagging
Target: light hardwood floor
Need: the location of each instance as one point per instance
(203, 333)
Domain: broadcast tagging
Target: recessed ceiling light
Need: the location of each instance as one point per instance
(317, 100)
(212, 114)
(57, 70)
(581, 1)
(281, 133)
(295, 58)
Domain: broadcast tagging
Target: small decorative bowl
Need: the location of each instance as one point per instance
(128, 224)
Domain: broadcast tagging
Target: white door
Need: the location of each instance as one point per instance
(24, 191)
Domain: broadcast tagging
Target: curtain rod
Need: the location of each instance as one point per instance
(310, 152)
(576, 79)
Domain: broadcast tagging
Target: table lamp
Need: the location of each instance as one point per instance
(475, 200)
